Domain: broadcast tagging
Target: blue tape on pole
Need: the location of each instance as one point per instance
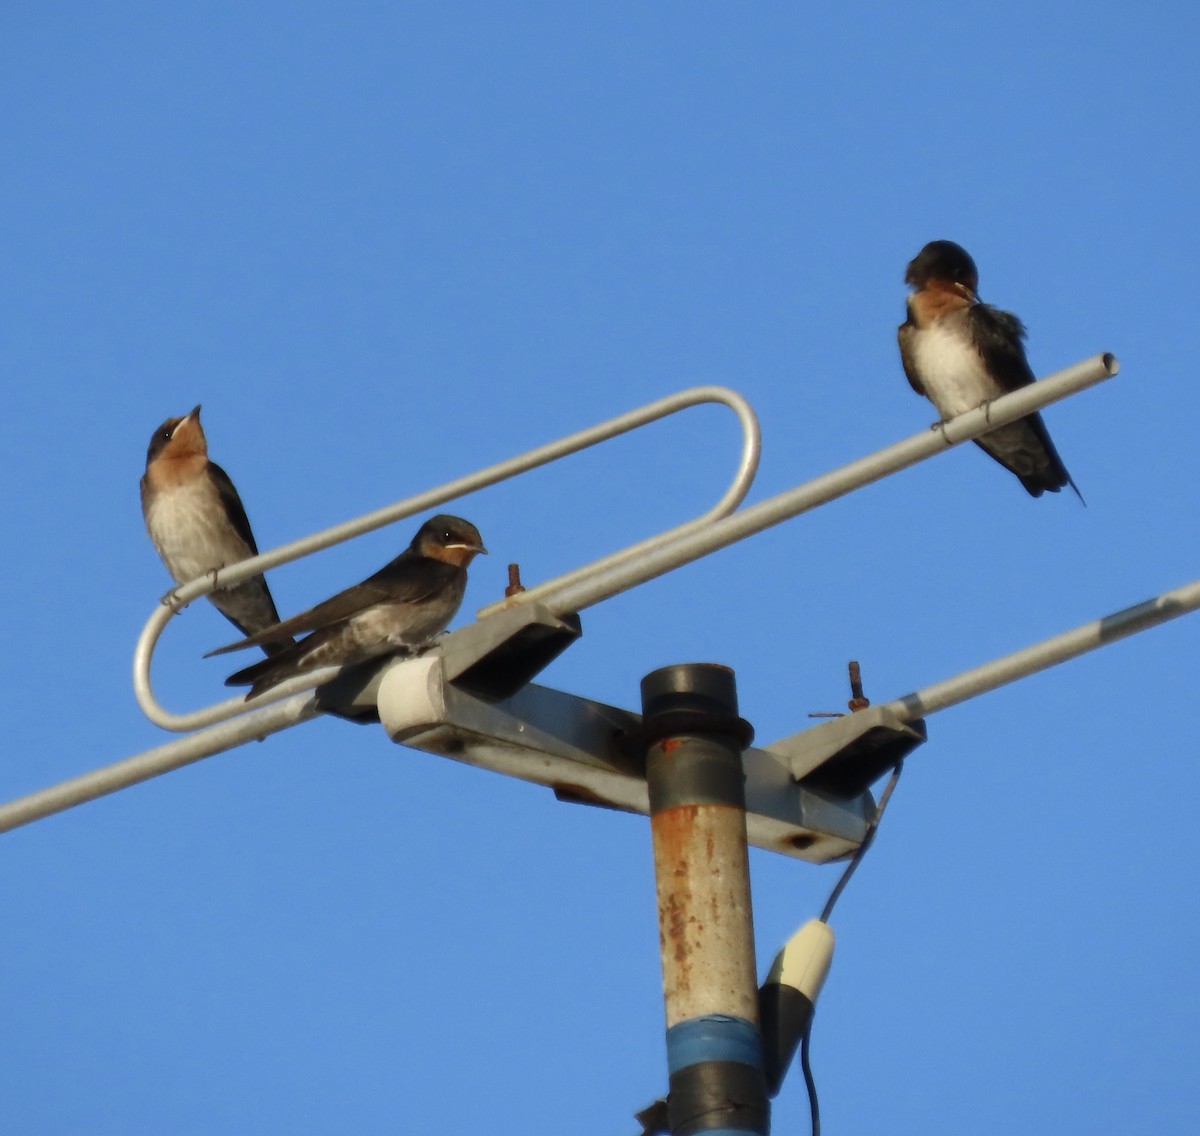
(715, 1037)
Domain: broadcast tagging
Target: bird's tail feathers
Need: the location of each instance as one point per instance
(252, 674)
(272, 644)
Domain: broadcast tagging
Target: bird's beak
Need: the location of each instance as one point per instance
(470, 548)
(194, 412)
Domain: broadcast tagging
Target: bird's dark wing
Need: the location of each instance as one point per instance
(998, 336)
(333, 610)
(250, 608)
(233, 506)
(407, 579)
(904, 335)
(248, 603)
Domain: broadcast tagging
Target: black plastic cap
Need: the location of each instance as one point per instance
(693, 688)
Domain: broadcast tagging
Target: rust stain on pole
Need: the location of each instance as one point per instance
(705, 930)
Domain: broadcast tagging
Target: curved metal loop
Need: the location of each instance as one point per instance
(368, 522)
(732, 498)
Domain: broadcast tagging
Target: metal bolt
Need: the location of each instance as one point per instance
(858, 701)
(515, 587)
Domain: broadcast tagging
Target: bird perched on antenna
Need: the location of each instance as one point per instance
(400, 608)
(197, 522)
(960, 354)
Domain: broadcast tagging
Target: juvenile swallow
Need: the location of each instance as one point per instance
(197, 522)
(400, 608)
(960, 353)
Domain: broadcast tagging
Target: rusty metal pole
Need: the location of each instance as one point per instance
(694, 750)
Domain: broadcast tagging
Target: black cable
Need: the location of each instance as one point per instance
(867, 840)
(813, 1108)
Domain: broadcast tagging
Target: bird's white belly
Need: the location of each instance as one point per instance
(952, 371)
(191, 533)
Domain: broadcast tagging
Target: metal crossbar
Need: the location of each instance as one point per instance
(804, 751)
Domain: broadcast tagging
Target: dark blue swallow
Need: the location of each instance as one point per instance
(399, 609)
(197, 522)
(960, 353)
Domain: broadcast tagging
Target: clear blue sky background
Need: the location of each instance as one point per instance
(387, 244)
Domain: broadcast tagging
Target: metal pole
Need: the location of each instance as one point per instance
(694, 741)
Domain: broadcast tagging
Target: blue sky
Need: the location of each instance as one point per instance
(387, 244)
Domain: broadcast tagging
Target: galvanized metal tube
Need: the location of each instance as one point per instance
(602, 585)
(152, 762)
(702, 878)
(1048, 653)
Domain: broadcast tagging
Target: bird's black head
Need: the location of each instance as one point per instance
(184, 435)
(450, 539)
(942, 260)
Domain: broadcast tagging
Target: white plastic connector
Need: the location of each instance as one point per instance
(787, 999)
(804, 962)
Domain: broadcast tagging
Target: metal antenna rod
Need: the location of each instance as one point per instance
(602, 585)
(1048, 653)
(152, 762)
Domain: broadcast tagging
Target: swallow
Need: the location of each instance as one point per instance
(961, 354)
(198, 524)
(399, 609)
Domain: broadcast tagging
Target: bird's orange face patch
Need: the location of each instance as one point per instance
(937, 299)
(458, 556)
(181, 459)
(169, 470)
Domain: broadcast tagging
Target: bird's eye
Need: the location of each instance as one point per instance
(447, 535)
(165, 435)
